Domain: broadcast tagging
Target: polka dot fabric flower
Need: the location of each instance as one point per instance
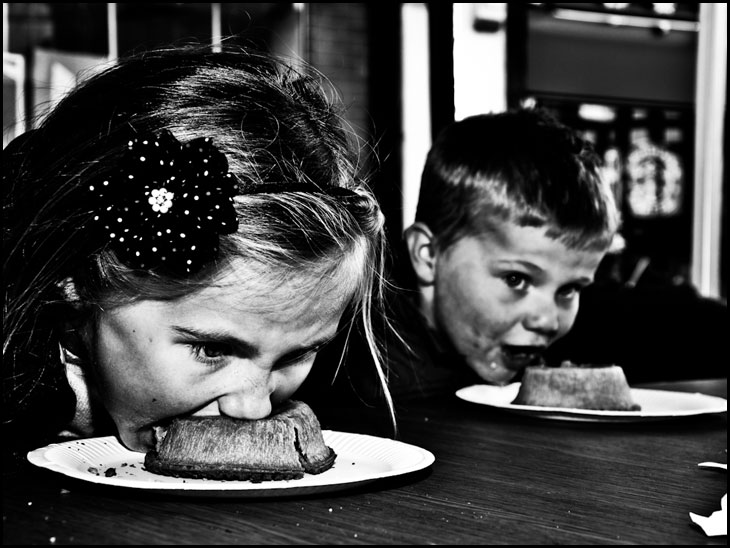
(167, 204)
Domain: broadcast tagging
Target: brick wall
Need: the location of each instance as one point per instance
(338, 47)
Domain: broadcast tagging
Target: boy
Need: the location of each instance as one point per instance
(512, 223)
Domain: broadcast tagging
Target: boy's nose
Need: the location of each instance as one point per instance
(543, 319)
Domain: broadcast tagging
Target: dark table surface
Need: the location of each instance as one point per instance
(498, 478)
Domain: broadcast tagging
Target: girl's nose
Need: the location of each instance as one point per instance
(251, 400)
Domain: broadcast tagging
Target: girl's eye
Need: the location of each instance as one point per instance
(295, 359)
(516, 281)
(211, 353)
(302, 356)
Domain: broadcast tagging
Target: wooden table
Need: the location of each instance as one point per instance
(498, 478)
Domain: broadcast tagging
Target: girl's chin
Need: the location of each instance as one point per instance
(141, 440)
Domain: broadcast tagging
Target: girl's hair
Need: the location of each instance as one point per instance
(277, 127)
(520, 166)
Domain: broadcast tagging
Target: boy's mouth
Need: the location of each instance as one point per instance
(517, 357)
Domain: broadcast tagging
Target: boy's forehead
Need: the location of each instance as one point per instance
(529, 247)
(503, 230)
(513, 237)
(503, 227)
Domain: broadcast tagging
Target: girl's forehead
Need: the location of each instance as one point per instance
(261, 287)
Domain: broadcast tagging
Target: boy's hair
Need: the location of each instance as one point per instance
(521, 166)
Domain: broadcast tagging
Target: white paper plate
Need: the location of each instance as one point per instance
(655, 405)
(360, 459)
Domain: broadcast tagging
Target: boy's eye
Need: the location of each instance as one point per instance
(516, 280)
(570, 292)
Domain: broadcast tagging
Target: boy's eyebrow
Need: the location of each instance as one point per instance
(525, 264)
(534, 268)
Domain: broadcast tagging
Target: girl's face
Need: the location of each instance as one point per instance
(502, 299)
(237, 348)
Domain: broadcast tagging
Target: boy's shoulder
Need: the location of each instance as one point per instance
(421, 362)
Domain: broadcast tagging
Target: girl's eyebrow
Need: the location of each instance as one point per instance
(242, 347)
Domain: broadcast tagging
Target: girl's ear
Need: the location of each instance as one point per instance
(76, 313)
(76, 336)
(421, 251)
(68, 288)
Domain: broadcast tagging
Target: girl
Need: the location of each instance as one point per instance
(183, 233)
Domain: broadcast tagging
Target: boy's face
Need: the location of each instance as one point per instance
(503, 298)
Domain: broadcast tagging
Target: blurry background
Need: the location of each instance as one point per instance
(645, 82)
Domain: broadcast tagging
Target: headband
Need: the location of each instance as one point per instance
(168, 203)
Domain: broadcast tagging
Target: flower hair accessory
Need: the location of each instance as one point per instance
(167, 204)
